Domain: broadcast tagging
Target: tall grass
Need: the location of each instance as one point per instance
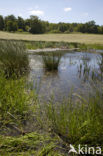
(13, 58)
(78, 121)
(51, 61)
(17, 101)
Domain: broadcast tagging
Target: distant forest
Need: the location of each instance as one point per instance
(36, 26)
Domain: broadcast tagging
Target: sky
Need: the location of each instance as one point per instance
(55, 11)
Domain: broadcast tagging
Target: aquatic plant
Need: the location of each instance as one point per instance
(51, 60)
(13, 58)
(78, 121)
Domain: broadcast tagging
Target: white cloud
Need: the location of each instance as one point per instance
(67, 9)
(36, 12)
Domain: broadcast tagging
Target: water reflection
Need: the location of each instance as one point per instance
(100, 63)
(74, 70)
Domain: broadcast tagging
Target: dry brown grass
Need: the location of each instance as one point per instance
(79, 38)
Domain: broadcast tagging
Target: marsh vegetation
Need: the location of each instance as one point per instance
(51, 61)
(13, 58)
(41, 123)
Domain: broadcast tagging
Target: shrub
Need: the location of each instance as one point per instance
(13, 58)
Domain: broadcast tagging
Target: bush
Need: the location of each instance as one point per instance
(13, 58)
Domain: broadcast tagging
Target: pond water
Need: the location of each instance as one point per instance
(75, 71)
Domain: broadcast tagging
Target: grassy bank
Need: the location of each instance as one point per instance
(18, 106)
(17, 103)
(34, 144)
(62, 45)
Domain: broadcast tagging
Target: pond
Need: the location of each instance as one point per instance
(75, 71)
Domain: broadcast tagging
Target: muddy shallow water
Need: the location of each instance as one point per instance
(75, 71)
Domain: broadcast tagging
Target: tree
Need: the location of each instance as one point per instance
(100, 29)
(11, 26)
(20, 23)
(1, 23)
(15, 26)
(63, 27)
(9, 19)
(36, 25)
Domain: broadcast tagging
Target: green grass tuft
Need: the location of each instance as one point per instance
(51, 61)
(78, 122)
(13, 58)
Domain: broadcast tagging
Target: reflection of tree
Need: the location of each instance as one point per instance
(100, 63)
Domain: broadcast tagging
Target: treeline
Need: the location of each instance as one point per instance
(36, 26)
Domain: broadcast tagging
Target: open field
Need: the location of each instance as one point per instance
(78, 38)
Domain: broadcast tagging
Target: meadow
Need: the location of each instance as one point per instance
(72, 37)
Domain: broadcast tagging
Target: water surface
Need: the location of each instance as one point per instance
(75, 71)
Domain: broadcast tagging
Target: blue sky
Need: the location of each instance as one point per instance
(55, 10)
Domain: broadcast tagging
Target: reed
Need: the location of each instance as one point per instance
(51, 61)
(13, 58)
(78, 121)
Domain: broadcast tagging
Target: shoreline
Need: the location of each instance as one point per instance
(50, 50)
